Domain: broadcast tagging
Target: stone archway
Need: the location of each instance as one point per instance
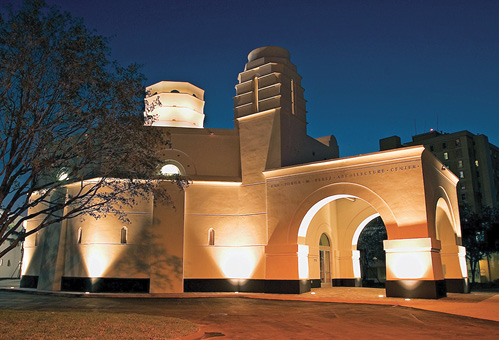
(342, 216)
(398, 185)
(453, 254)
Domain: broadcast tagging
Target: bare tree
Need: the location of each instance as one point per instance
(73, 140)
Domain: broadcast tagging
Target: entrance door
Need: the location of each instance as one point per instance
(325, 260)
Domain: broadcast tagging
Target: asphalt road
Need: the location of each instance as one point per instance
(246, 318)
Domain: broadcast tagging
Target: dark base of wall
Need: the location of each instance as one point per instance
(416, 289)
(315, 283)
(347, 282)
(248, 286)
(104, 285)
(28, 281)
(457, 285)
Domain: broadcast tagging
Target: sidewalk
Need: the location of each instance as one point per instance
(481, 305)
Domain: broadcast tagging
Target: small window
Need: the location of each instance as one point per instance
(211, 237)
(124, 232)
(78, 240)
(432, 148)
(476, 163)
(463, 197)
(36, 239)
(461, 174)
(324, 241)
(460, 164)
(463, 186)
(444, 145)
(8, 263)
(170, 170)
(174, 91)
(457, 142)
(446, 155)
(1, 262)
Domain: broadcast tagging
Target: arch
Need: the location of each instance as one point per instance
(324, 240)
(444, 226)
(171, 168)
(325, 260)
(315, 201)
(179, 158)
(448, 232)
(361, 227)
(372, 255)
(442, 204)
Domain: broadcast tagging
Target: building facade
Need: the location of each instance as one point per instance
(269, 208)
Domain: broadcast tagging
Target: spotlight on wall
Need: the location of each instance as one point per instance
(443, 167)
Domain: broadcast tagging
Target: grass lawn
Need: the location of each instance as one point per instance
(20, 324)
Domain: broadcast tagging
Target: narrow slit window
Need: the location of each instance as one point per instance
(124, 235)
(79, 236)
(255, 94)
(211, 237)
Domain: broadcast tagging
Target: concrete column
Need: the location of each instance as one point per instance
(287, 268)
(54, 250)
(346, 268)
(414, 268)
(454, 268)
(166, 248)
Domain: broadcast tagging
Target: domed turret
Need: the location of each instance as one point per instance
(182, 104)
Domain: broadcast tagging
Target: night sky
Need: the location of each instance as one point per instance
(371, 69)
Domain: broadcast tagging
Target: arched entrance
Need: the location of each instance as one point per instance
(325, 260)
(343, 217)
(372, 254)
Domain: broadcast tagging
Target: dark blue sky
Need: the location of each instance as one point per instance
(370, 69)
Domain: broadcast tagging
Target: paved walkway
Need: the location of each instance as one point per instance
(481, 305)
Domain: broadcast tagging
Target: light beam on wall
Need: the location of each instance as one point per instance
(99, 258)
(237, 262)
(409, 265)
